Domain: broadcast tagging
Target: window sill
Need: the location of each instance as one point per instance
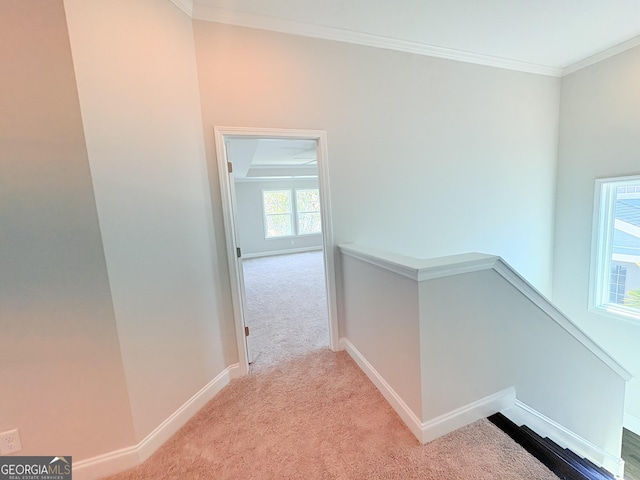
(288, 237)
(618, 313)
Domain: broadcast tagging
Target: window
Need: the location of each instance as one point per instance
(308, 208)
(615, 281)
(278, 221)
(283, 218)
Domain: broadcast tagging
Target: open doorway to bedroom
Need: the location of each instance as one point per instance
(278, 226)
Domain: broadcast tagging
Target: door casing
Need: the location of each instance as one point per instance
(227, 191)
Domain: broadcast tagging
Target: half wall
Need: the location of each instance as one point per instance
(454, 339)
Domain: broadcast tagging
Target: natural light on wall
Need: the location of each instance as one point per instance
(615, 272)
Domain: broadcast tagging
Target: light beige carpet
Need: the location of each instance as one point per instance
(319, 417)
(286, 307)
(308, 413)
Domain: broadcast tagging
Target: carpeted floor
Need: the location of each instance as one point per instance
(317, 416)
(286, 307)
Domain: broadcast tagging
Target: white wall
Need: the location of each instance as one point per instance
(448, 333)
(481, 335)
(62, 382)
(138, 89)
(250, 219)
(382, 320)
(600, 114)
(427, 157)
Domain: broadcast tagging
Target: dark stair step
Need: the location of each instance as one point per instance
(533, 444)
(584, 466)
(604, 472)
(563, 462)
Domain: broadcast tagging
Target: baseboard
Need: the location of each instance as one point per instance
(182, 415)
(632, 423)
(119, 460)
(107, 464)
(280, 252)
(436, 427)
(409, 418)
(468, 414)
(522, 414)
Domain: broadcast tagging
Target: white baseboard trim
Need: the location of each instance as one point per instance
(409, 418)
(522, 414)
(281, 252)
(107, 464)
(436, 427)
(468, 414)
(182, 415)
(505, 402)
(119, 460)
(632, 423)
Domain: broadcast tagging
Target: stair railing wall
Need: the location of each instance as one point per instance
(455, 339)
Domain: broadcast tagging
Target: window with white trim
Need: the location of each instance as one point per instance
(615, 280)
(285, 218)
(308, 211)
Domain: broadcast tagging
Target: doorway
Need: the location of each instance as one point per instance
(275, 196)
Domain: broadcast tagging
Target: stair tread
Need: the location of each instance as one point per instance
(565, 463)
(603, 471)
(534, 445)
(571, 456)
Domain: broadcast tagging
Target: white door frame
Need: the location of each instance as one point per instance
(227, 191)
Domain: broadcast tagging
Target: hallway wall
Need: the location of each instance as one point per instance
(61, 373)
(427, 157)
(138, 90)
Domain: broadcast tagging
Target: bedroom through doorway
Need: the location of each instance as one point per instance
(278, 227)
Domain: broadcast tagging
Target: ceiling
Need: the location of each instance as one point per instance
(551, 37)
(269, 158)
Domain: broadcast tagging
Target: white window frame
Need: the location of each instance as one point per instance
(602, 246)
(297, 212)
(293, 196)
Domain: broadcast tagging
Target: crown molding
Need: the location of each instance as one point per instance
(263, 22)
(185, 5)
(598, 57)
(244, 19)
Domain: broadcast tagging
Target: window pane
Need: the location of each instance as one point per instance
(617, 284)
(308, 207)
(277, 213)
(619, 244)
(308, 200)
(277, 201)
(278, 225)
(626, 247)
(309, 223)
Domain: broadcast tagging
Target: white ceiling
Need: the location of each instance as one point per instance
(261, 158)
(551, 37)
